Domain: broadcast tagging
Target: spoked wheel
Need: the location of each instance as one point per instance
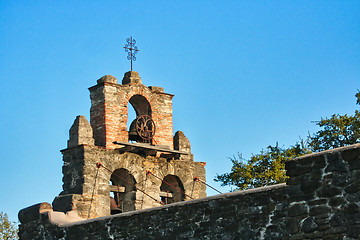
(145, 127)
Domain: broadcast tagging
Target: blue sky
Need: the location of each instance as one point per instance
(245, 74)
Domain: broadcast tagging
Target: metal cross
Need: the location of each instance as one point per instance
(131, 49)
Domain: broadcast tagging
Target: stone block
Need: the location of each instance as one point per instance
(319, 162)
(308, 225)
(351, 208)
(329, 191)
(333, 156)
(290, 164)
(337, 201)
(316, 174)
(108, 79)
(319, 210)
(353, 188)
(350, 154)
(33, 212)
(81, 133)
(354, 165)
(300, 170)
(336, 166)
(156, 89)
(309, 186)
(297, 209)
(131, 77)
(65, 203)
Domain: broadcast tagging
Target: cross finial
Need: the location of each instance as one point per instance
(131, 49)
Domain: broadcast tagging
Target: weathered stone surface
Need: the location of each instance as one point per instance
(277, 212)
(131, 77)
(353, 188)
(351, 208)
(355, 164)
(156, 89)
(297, 209)
(80, 132)
(182, 143)
(329, 191)
(293, 172)
(319, 210)
(309, 225)
(350, 155)
(336, 166)
(33, 212)
(310, 186)
(109, 111)
(217, 217)
(108, 79)
(337, 201)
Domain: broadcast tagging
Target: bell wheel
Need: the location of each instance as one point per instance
(145, 127)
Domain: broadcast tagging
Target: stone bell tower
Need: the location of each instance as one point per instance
(109, 168)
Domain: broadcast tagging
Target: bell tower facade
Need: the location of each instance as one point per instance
(109, 168)
(109, 102)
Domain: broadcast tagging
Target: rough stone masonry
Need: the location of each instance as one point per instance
(319, 201)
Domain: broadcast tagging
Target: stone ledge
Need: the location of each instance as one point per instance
(84, 146)
(340, 149)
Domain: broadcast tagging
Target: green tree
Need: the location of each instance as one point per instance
(268, 167)
(8, 229)
(338, 131)
(262, 169)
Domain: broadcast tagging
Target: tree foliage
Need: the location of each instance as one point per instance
(8, 229)
(268, 167)
(338, 131)
(262, 169)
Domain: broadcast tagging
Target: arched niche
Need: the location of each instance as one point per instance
(142, 107)
(122, 191)
(168, 193)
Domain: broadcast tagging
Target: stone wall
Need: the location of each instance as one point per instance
(86, 187)
(319, 201)
(324, 194)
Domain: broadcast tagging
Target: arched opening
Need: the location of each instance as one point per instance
(141, 106)
(131, 115)
(122, 191)
(168, 193)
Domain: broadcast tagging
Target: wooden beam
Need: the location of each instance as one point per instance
(126, 149)
(166, 194)
(150, 147)
(114, 188)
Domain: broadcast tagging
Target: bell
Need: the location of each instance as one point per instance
(133, 135)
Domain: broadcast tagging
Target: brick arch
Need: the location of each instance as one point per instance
(140, 94)
(140, 90)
